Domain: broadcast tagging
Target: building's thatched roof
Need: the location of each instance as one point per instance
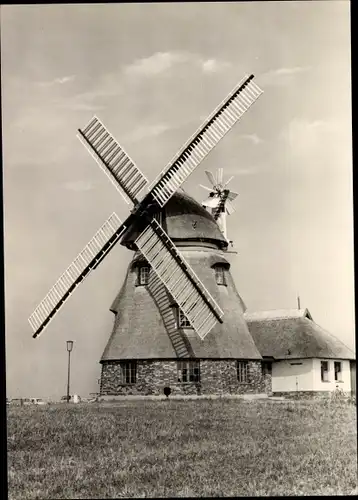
(144, 319)
(277, 314)
(185, 219)
(288, 334)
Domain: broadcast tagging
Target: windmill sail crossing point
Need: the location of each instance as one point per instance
(182, 283)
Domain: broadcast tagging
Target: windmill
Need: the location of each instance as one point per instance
(220, 198)
(157, 248)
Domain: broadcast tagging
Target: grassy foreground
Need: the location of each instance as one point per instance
(182, 448)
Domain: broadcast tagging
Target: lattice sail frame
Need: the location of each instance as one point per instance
(95, 250)
(208, 135)
(167, 262)
(112, 159)
(200, 308)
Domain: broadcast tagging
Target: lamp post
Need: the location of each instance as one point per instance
(69, 345)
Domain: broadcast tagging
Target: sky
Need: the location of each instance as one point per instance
(152, 73)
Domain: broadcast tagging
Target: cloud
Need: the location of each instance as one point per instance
(162, 62)
(79, 186)
(304, 136)
(254, 138)
(155, 64)
(76, 103)
(147, 131)
(37, 120)
(214, 66)
(282, 76)
(288, 71)
(107, 86)
(57, 81)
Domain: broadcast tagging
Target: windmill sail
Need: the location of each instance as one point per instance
(112, 159)
(229, 180)
(210, 176)
(230, 209)
(101, 243)
(205, 139)
(184, 285)
(220, 176)
(232, 195)
(190, 294)
(205, 187)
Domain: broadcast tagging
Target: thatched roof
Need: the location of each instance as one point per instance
(288, 334)
(184, 219)
(144, 326)
(277, 314)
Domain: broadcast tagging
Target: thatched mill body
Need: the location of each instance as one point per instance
(153, 345)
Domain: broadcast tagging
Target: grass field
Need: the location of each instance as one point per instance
(182, 448)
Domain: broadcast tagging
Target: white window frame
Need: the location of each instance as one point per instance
(242, 369)
(128, 372)
(143, 275)
(188, 371)
(220, 275)
(338, 373)
(182, 320)
(324, 373)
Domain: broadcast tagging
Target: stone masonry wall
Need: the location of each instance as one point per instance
(312, 395)
(268, 383)
(216, 377)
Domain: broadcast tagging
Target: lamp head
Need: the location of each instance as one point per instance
(69, 344)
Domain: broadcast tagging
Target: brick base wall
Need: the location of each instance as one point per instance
(216, 377)
(310, 394)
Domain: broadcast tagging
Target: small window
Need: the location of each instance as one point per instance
(188, 371)
(129, 372)
(220, 275)
(338, 371)
(182, 320)
(243, 372)
(143, 275)
(324, 371)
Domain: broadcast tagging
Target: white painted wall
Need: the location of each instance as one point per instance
(286, 375)
(318, 385)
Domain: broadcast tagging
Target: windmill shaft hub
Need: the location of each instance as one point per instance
(130, 181)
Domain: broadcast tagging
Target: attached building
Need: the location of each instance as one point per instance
(305, 359)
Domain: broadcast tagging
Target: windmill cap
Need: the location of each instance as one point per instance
(185, 220)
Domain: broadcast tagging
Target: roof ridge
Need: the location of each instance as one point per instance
(333, 336)
(276, 314)
(298, 336)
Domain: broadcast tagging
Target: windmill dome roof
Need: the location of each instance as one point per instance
(185, 220)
